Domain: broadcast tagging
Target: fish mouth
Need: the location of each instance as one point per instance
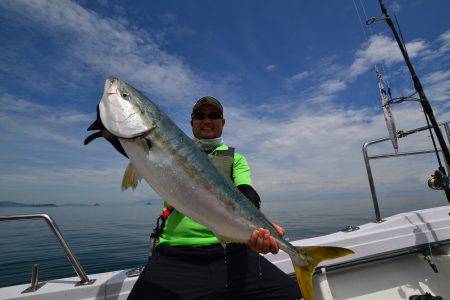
(112, 94)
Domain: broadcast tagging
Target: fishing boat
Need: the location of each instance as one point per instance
(404, 256)
(396, 257)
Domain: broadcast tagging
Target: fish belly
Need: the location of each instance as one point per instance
(189, 192)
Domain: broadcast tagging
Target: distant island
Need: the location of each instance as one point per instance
(148, 202)
(151, 201)
(18, 204)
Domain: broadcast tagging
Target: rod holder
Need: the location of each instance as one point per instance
(368, 157)
(34, 276)
(35, 285)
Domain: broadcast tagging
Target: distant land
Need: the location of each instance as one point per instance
(18, 204)
(148, 201)
(136, 202)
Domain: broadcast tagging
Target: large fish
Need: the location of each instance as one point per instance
(178, 171)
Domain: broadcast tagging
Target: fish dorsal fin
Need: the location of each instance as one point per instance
(131, 178)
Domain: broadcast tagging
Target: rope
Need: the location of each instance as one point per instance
(365, 15)
(375, 105)
(400, 31)
(360, 21)
(383, 69)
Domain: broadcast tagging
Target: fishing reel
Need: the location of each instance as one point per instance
(439, 181)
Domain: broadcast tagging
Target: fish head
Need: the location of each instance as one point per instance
(124, 110)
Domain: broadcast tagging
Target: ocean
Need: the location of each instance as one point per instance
(106, 238)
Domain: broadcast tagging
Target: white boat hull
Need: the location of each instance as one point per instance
(386, 264)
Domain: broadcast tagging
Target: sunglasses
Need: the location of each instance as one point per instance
(201, 116)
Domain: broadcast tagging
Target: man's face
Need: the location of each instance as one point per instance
(205, 124)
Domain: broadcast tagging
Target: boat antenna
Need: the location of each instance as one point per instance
(440, 179)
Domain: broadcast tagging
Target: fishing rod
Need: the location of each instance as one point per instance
(440, 179)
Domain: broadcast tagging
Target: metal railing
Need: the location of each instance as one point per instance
(84, 280)
(400, 134)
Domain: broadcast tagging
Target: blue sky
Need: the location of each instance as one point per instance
(295, 77)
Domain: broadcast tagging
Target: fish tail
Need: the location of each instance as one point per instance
(305, 269)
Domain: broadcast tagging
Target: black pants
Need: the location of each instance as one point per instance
(212, 272)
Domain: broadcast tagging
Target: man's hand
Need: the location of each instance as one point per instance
(262, 242)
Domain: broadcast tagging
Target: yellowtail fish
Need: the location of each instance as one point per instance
(180, 172)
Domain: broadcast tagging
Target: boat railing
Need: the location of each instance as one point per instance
(84, 280)
(400, 134)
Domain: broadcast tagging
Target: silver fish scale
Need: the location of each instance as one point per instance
(183, 175)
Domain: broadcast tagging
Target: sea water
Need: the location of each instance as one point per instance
(106, 238)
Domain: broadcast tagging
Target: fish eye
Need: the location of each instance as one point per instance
(125, 95)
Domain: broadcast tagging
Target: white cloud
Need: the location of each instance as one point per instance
(300, 76)
(291, 81)
(332, 86)
(270, 67)
(437, 85)
(43, 157)
(84, 184)
(313, 148)
(21, 118)
(317, 150)
(14, 104)
(111, 47)
(440, 47)
(436, 77)
(381, 49)
(445, 40)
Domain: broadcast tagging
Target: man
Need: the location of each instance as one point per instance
(189, 262)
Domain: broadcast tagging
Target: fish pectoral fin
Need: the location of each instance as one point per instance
(144, 143)
(131, 178)
(305, 269)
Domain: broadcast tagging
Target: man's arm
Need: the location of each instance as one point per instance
(251, 194)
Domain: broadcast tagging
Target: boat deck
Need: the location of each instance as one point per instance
(389, 263)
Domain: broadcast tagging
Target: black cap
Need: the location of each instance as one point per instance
(207, 100)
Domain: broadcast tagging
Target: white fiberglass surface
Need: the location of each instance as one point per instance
(397, 278)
